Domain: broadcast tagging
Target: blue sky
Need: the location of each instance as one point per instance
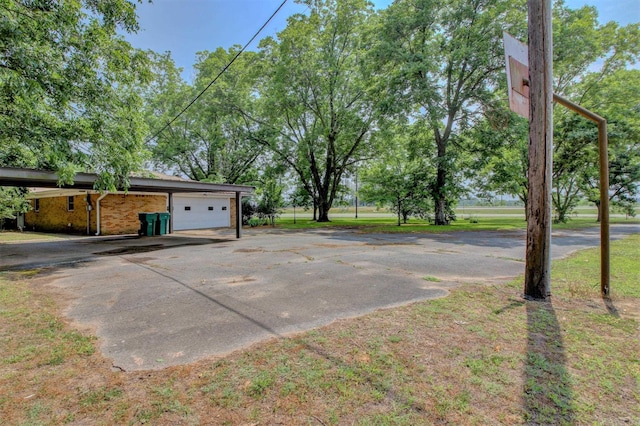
(185, 27)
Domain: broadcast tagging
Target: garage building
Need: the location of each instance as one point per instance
(78, 208)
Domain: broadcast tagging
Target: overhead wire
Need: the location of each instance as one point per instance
(169, 123)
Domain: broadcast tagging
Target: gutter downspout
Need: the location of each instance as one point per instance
(98, 212)
(89, 208)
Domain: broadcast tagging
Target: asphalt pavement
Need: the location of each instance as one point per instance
(174, 299)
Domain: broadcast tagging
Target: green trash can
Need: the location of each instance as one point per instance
(147, 224)
(162, 223)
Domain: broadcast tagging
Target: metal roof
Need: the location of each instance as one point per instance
(10, 176)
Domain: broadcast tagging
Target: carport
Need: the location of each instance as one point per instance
(30, 178)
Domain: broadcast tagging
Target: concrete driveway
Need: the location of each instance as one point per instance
(159, 301)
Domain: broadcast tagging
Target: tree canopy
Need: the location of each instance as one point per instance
(413, 93)
(317, 106)
(590, 68)
(210, 141)
(446, 59)
(69, 87)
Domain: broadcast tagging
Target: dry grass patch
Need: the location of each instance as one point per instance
(483, 355)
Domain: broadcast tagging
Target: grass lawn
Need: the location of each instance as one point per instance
(482, 355)
(11, 236)
(390, 224)
(461, 211)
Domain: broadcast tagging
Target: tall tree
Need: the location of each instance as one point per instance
(447, 57)
(400, 177)
(589, 67)
(616, 97)
(68, 88)
(210, 141)
(318, 108)
(586, 55)
(501, 158)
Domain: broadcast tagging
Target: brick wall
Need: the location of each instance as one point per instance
(118, 213)
(54, 215)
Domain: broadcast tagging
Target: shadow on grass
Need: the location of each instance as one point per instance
(611, 308)
(547, 393)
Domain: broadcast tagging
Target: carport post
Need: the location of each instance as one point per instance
(238, 214)
(170, 212)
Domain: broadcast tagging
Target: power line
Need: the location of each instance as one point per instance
(219, 74)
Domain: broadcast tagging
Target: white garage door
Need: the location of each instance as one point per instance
(200, 212)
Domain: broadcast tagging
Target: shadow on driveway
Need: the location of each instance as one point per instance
(67, 251)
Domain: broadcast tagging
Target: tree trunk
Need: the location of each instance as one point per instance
(323, 211)
(441, 210)
(597, 203)
(439, 200)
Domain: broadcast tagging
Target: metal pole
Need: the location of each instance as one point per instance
(604, 210)
(356, 192)
(170, 207)
(238, 214)
(605, 268)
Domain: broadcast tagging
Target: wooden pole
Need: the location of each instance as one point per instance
(538, 256)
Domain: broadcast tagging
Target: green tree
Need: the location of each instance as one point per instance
(317, 104)
(400, 184)
(68, 88)
(12, 203)
(299, 197)
(616, 97)
(400, 177)
(501, 158)
(573, 147)
(446, 58)
(270, 200)
(210, 141)
(267, 204)
(589, 68)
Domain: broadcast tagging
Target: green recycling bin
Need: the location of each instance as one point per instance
(162, 223)
(147, 224)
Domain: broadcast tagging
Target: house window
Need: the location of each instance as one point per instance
(224, 208)
(210, 208)
(36, 204)
(70, 203)
(187, 208)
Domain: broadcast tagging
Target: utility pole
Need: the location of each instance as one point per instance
(538, 256)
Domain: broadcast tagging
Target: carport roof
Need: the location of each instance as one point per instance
(10, 176)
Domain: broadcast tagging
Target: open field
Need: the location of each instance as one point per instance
(463, 212)
(482, 355)
(378, 222)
